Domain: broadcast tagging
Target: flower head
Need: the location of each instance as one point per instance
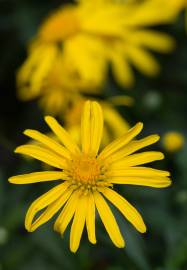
(173, 141)
(91, 35)
(88, 177)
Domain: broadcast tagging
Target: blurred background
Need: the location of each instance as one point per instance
(159, 102)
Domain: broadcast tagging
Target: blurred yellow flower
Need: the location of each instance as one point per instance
(88, 177)
(89, 35)
(173, 141)
(56, 90)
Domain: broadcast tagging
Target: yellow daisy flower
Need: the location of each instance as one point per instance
(55, 91)
(173, 141)
(88, 177)
(89, 35)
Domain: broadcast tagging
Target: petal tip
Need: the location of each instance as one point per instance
(11, 180)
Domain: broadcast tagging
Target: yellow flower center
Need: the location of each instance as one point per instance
(60, 25)
(86, 172)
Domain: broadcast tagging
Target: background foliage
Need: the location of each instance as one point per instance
(161, 103)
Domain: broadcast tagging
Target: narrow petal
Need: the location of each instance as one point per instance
(43, 154)
(156, 182)
(137, 159)
(42, 202)
(96, 127)
(78, 223)
(51, 210)
(91, 128)
(122, 71)
(86, 127)
(153, 40)
(108, 220)
(126, 209)
(119, 143)
(132, 147)
(67, 213)
(36, 177)
(142, 60)
(136, 172)
(62, 134)
(90, 219)
(48, 142)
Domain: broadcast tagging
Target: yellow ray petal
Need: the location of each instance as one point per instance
(91, 128)
(36, 177)
(137, 159)
(136, 172)
(153, 40)
(67, 213)
(122, 70)
(62, 134)
(51, 210)
(48, 142)
(108, 220)
(126, 209)
(86, 127)
(156, 182)
(43, 201)
(78, 223)
(96, 128)
(90, 219)
(122, 141)
(142, 60)
(133, 147)
(42, 154)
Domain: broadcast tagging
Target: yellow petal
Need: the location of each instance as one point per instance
(114, 121)
(78, 223)
(133, 147)
(126, 209)
(142, 60)
(51, 210)
(156, 182)
(122, 70)
(90, 219)
(62, 134)
(48, 142)
(36, 177)
(122, 141)
(43, 201)
(108, 220)
(136, 172)
(86, 127)
(137, 159)
(91, 128)
(153, 40)
(67, 213)
(42, 154)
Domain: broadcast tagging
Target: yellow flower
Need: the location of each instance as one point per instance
(88, 177)
(55, 91)
(90, 35)
(173, 141)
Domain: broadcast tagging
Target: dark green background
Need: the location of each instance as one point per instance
(161, 103)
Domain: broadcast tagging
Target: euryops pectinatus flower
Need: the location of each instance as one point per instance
(88, 177)
(90, 35)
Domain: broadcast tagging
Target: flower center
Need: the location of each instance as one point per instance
(86, 173)
(85, 169)
(60, 25)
